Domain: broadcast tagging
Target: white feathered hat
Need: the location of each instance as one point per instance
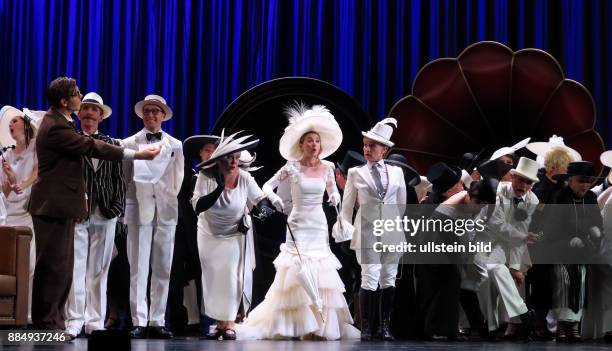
(540, 148)
(302, 120)
(382, 131)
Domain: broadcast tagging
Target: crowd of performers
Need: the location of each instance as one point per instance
(181, 246)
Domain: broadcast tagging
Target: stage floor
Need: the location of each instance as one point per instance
(180, 344)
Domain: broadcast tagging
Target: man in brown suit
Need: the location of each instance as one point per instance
(58, 198)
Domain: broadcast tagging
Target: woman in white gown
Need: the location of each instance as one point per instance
(287, 310)
(19, 171)
(220, 197)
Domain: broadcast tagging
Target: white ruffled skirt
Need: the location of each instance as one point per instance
(288, 312)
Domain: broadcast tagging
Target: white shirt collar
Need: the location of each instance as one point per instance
(381, 163)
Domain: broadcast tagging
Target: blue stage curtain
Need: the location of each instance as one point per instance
(200, 55)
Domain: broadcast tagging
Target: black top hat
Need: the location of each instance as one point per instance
(351, 159)
(484, 190)
(193, 144)
(495, 169)
(443, 177)
(412, 176)
(578, 168)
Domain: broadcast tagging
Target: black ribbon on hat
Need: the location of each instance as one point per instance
(154, 136)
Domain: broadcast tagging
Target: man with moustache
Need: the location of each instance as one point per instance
(58, 198)
(94, 237)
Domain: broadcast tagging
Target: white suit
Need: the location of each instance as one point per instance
(151, 213)
(509, 250)
(360, 187)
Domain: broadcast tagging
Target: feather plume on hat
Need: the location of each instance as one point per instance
(227, 146)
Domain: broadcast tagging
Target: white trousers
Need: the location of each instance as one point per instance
(149, 247)
(374, 275)
(501, 285)
(93, 247)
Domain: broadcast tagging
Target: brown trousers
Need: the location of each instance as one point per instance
(53, 272)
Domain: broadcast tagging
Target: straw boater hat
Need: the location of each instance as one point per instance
(382, 131)
(229, 145)
(540, 148)
(526, 168)
(302, 120)
(508, 150)
(7, 113)
(96, 100)
(153, 100)
(193, 144)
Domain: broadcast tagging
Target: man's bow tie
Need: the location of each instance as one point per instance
(154, 136)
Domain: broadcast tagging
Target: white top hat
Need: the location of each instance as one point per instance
(96, 100)
(317, 119)
(526, 168)
(7, 113)
(555, 142)
(507, 150)
(153, 100)
(382, 131)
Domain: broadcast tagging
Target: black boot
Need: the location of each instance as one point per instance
(471, 307)
(526, 325)
(365, 306)
(386, 306)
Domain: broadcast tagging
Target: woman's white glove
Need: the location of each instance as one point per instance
(576, 243)
(276, 201)
(334, 199)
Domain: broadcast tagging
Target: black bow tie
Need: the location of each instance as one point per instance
(517, 200)
(154, 136)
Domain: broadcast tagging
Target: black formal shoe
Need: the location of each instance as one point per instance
(213, 335)
(527, 325)
(138, 333)
(229, 334)
(573, 332)
(160, 333)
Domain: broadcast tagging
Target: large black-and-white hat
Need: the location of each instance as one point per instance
(229, 145)
(96, 100)
(382, 131)
(153, 100)
(193, 144)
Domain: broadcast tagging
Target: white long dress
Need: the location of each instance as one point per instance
(287, 311)
(221, 246)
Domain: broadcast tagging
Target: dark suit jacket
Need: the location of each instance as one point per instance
(59, 191)
(105, 185)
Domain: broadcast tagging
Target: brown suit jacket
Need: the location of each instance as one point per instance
(59, 190)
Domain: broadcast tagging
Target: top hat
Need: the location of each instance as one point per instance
(527, 168)
(443, 177)
(382, 131)
(351, 159)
